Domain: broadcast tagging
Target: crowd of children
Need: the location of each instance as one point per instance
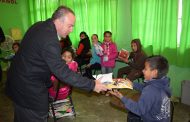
(154, 102)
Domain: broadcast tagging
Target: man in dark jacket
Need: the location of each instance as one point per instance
(39, 56)
(2, 35)
(2, 39)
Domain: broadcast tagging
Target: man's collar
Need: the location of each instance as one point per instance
(59, 37)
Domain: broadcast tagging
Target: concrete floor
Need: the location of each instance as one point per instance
(90, 108)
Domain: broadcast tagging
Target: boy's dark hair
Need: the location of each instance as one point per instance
(69, 49)
(138, 43)
(159, 63)
(107, 32)
(16, 43)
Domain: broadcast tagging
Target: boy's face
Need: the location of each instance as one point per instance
(67, 56)
(148, 72)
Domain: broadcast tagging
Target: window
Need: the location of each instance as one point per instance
(179, 25)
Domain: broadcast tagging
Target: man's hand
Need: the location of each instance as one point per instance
(99, 86)
(116, 93)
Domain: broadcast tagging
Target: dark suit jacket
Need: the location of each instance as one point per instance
(2, 36)
(39, 55)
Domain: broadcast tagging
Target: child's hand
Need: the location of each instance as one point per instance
(120, 57)
(126, 60)
(123, 59)
(116, 93)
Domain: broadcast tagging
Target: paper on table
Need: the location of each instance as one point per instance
(104, 78)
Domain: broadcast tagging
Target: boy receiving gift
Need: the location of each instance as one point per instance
(154, 102)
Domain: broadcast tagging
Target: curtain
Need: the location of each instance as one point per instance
(92, 16)
(41, 9)
(154, 22)
(184, 48)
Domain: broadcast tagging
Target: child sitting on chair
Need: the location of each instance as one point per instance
(135, 62)
(154, 102)
(63, 90)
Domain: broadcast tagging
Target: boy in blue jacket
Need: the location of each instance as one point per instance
(154, 102)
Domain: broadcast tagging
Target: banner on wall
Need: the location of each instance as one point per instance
(8, 1)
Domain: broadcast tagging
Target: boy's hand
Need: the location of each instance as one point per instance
(116, 93)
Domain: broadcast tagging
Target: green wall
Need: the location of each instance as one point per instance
(17, 15)
(123, 37)
(14, 15)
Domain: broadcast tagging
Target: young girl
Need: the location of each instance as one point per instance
(109, 53)
(64, 90)
(83, 51)
(95, 60)
(135, 62)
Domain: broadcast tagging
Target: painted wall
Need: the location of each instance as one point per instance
(16, 15)
(123, 37)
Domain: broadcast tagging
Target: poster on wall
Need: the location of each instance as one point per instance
(8, 1)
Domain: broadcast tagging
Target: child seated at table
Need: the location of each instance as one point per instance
(154, 102)
(64, 90)
(135, 62)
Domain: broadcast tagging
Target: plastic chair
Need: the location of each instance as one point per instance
(52, 100)
(171, 110)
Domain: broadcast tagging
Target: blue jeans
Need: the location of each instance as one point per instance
(106, 70)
